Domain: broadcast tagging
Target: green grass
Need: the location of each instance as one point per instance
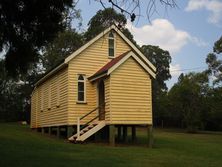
(19, 146)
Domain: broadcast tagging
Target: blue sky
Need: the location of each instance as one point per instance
(187, 32)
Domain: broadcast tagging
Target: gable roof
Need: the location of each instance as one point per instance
(113, 27)
(78, 51)
(108, 68)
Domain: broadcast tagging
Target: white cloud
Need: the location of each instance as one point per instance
(213, 6)
(175, 70)
(195, 5)
(198, 42)
(162, 32)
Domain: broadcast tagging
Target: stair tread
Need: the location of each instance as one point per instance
(87, 130)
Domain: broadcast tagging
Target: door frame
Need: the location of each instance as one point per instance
(101, 99)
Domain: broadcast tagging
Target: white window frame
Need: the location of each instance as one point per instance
(114, 44)
(84, 82)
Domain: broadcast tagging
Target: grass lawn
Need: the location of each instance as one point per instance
(19, 146)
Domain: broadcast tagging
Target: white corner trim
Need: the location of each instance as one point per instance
(135, 48)
(131, 54)
(102, 34)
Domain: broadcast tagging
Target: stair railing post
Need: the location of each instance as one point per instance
(78, 127)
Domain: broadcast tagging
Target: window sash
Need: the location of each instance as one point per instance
(49, 95)
(58, 91)
(42, 100)
(111, 45)
(111, 52)
(81, 89)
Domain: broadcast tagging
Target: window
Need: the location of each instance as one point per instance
(111, 44)
(36, 100)
(58, 92)
(49, 96)
(81, 89)
(42, 99)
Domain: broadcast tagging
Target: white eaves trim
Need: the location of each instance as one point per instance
(102, 34)
(97, 77)
(78, 51)
(136, 49)
(50, 73)
(88, 44)
(131, 54)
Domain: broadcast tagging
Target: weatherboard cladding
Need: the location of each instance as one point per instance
(81, 49)
(89, 60)
(110, 64)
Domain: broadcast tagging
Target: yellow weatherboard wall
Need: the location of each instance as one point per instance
(131, 94)
(89, 62)
(127, 89)
(45, 114)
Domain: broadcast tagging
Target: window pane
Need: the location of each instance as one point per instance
(80, 96)
(81, 78)
(80, 86)
(111, 52)
(111, 43)
(111, 35)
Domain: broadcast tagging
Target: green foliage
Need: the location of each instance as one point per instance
(15, 94)
(214, 113)
(10, 100)
(26, 26)
(192, 102)
(218, 46)
(63, 45)
(161, 59)
(215, 63)
(186, 98)
(104, 19)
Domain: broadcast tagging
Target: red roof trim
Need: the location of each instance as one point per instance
(109, 65)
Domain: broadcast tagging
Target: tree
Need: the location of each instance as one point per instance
(187, 99)
(62, 46)
(215, 63)
(10, 99)
(131, 8)
(214, 113)
(15, 93)
(104, 19)
(26, 26)
(214, 98)
(161, 59)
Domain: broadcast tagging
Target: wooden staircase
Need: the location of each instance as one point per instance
(90, 128)
(87, 131)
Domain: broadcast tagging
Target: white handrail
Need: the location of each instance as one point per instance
(78, 127)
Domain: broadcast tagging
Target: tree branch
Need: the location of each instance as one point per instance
(135, 4)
